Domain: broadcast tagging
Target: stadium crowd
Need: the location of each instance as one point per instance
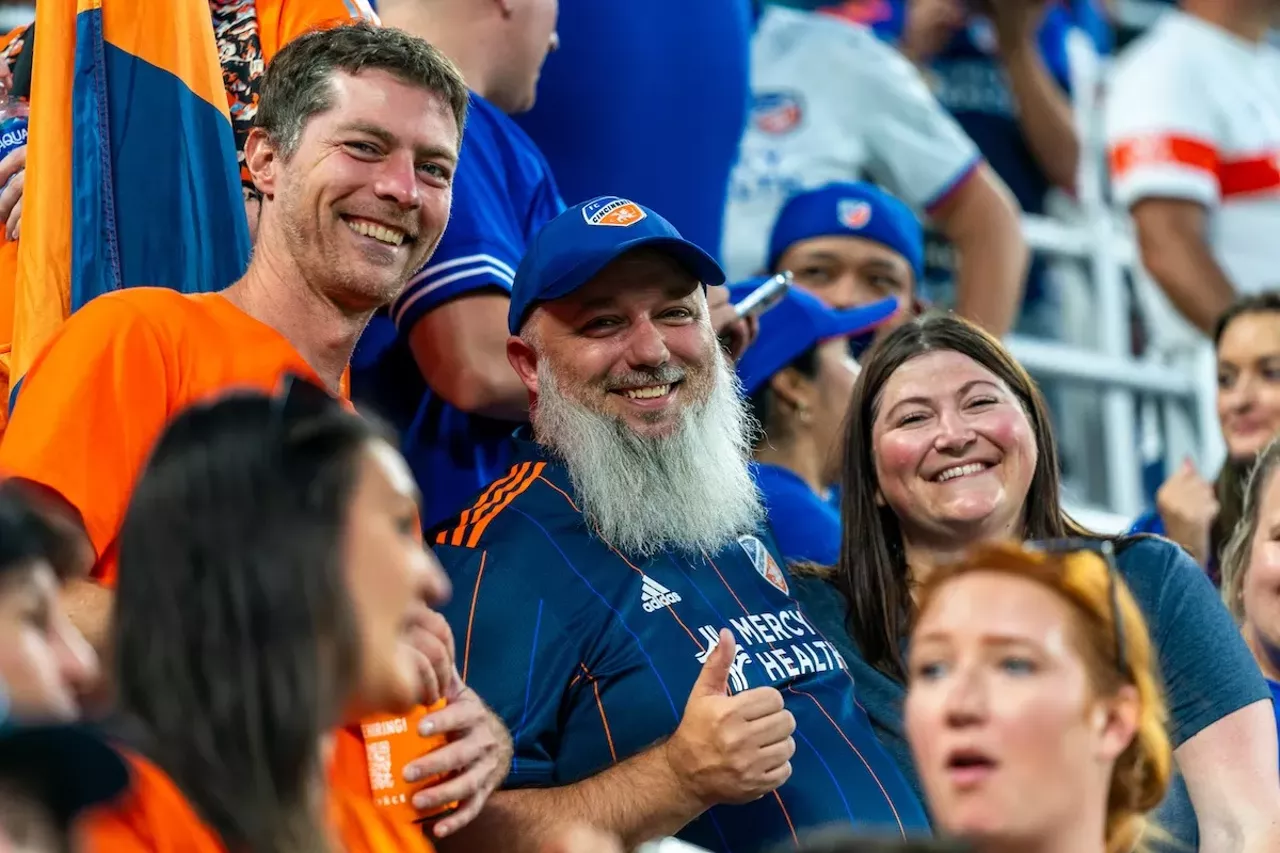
(391, 394)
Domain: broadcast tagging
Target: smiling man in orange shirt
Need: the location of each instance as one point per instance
(354, 149)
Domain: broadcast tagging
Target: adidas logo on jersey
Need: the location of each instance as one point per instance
(655, 596)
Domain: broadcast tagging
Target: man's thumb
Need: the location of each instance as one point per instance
(714, 678)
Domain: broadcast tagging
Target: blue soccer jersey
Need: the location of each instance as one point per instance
(806, 526)
(589, 658)
(503, 193)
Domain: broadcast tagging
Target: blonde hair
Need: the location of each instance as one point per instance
(1235, 557)
(1084, 580)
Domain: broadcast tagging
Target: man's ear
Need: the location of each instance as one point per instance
(262, 158)
(524, 360)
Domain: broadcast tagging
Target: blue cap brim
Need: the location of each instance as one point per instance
(82, 768)
(696, 261)
(852, 322)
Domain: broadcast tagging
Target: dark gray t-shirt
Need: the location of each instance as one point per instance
(1207, 669)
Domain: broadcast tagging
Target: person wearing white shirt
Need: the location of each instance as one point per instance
(831, 102)
(1193, 131)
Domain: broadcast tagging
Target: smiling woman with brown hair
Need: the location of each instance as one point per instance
(948, 445)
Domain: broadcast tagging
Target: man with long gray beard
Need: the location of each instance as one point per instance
(619, 601)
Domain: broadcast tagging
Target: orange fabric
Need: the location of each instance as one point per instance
(348, 769)
(1130, 154)
(1248, 175)
(8, 284)
(41, 295)
(10, 37)
(154, 817)
(284, 20)
(498, 497)
(95, 401)
(1235, 176)
(30, 313)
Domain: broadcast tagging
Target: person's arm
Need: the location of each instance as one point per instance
(454, 311)
(1043, 109)
(518, 654)
(637, 800)
(727, 749)
(1231, 776)
(461, 350)
(981, 219)
(1164, 158)
(1171, 239)
(923, 156)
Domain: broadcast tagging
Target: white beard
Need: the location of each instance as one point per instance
(690, 491)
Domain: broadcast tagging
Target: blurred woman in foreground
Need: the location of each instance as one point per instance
(1200, 515)
(272, 578)
(1033, 709)
(948, 445)
(1251, 569)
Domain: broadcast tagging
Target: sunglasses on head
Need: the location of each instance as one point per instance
(1106, 549)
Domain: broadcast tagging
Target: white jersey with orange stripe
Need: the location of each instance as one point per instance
(1193, 112)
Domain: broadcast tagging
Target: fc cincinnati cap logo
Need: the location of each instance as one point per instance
(611, 210)
(853, 214)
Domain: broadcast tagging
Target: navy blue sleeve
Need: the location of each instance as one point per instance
(547, 203)
(482, 244)
(513, 649)
(503, 193)
(1207, 669)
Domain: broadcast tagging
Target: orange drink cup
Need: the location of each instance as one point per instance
(390, 743)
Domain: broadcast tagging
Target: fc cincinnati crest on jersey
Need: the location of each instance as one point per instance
(611, 210)
(764, 563)
(853, 214)
(777, 112)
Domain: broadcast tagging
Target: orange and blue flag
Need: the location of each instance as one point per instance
(132, 176)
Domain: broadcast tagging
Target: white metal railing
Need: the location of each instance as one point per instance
(1182, 393)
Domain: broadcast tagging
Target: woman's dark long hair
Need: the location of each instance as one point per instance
(235, 649)
(873, 572)
(1229, 487)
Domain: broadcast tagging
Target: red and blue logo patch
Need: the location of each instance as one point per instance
(853, 214)
(777, 112)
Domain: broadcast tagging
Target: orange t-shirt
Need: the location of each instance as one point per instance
(97, 398)
(154, 817)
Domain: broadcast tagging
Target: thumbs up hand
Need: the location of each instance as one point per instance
(731, 749)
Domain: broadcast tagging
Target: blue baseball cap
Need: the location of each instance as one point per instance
(795, 325)
(577, 244)
(849, 209)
